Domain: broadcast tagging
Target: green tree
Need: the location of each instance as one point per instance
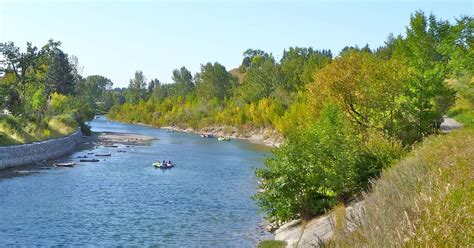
(260, 82)
(136, 88)
(299, 64)
(38, 102)
(94, 86)
(367, 88)
(428, 97)
(60, 75)
(183, 82)
(152, 86)
(254, 58)
(214, 81)
(314, 169)
(59, 104)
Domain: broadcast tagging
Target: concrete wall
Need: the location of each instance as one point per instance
(11, 156)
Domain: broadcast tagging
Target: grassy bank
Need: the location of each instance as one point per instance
(16, 131)
(424, 200)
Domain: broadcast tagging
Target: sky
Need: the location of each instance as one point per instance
(116, 38)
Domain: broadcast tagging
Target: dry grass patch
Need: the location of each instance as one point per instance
(425, 200)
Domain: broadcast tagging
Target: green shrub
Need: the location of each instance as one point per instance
(378, 152)
(328, 162)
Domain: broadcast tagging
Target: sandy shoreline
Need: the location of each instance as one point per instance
(124, 138)
(114, 138)
(262, 136)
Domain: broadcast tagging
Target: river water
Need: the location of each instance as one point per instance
(122, 200)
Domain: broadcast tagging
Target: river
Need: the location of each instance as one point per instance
(122, 200)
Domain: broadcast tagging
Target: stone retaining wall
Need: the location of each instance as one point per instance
(11, 156)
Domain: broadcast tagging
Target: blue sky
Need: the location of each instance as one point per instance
(114, 39)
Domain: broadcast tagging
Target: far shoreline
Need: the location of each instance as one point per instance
(261, 136)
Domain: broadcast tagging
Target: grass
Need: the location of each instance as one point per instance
(63, 124)
(425, 200)
(15, 131)
(272, 244)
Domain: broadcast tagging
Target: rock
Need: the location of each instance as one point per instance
(449, 124)
(312, 233)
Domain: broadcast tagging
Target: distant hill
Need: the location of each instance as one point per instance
(237, 73)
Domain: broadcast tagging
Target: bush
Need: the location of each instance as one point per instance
(378, 152)
(319, 166)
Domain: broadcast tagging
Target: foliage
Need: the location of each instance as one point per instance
(136, 88)
(299, 64)
(59, 103)
(183, 82)
(344, 120)
(45, 93)
(428, 97)
(319, 166)
(261, 81)
(59, 76)
(214, 81)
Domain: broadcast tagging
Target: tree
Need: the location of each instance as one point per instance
(38, 102)
(427, 97)
(299, 64)
(386, 51)
(214, 81)
(262, 81)
(94, 87)
(22, 69)
(254, 58)
(183, 81)
(59, 103)
(312, 170)
(60, 74)
(152, 85)
(136, 88)
(458, 46)
(367, 89)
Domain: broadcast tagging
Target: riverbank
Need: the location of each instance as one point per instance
(262, 136)
(313, 233)
(16, 155)
(110, 138)
(15, 130)
(439, 168)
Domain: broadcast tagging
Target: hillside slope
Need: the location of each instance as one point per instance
(424, 200)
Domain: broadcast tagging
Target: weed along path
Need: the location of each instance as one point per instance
(121, 199)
